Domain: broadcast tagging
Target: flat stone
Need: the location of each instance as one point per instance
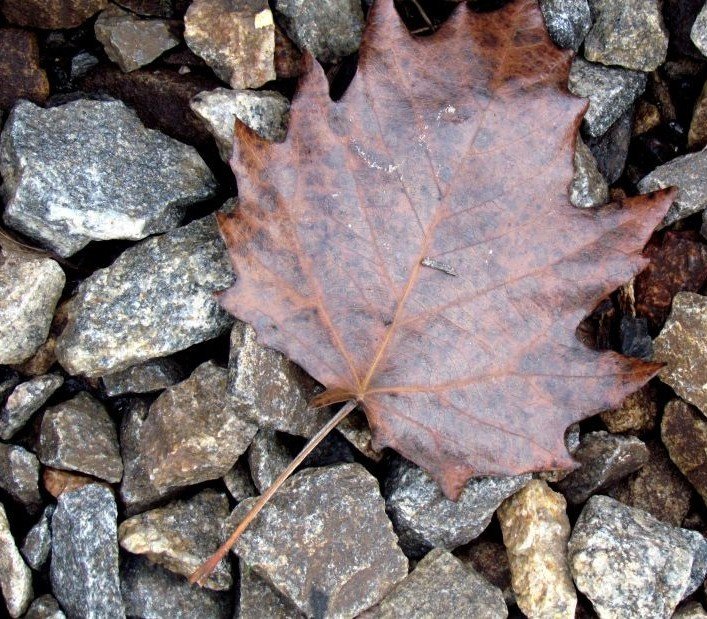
(697, 135)
(258, 599)
(236, 38)
(589, 188)
(306, 544)
(114, 179)
(424, 518)
(637, 413)
(266, 112)
(38, 542)
(152, 592)
(489, 559)
(29, 290)
(698, 34)
(605, 459)
(181, 536)
(682, 346)
(239, 483)
(567, 21)
(268, 456)
(535, 532)
(610, 150)
(15, 576)
(630, 34)
(21, 75)
(610, 90)
(24, 401)
(689, 174)
(631, 565)
(132, 42)
(84, 564)
(19, 476)
(79, 435)
(50, 14)
(329, 29)
(153, 375)
(155, 299)
(45, 607)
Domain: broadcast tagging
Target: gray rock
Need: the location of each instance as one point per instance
(79, 435)
(151, 592)
(153, 375)
(631, 565)
(24, 401)
(130, 41)
(81, 64)
(329, 29)
(689, 174)
(258, 599)
(610, 90)
(267, 458)
(605, 459)
(307, 545)
(489, 559)
(29, 290)
(15, 576)
(441, 586)
(84, 564)
(89, 170)
(356, 431)
(38, 542)
(45, 607)
(19, 476)
(691, 610)
(698, 34)
(589, 188)
(567, 21)
(8, 382)
(264, 111)
(630, 34)
(424, 518)
(610, 150)
(181, 536)
(239, 482)
(155, 299)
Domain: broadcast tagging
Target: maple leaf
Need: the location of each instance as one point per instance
(413, 248)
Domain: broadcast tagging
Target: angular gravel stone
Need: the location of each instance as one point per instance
(698, 34)
(119, 180)
(610, 150)
(630, 34)
(567, 21)
(181, 536)
(21, 75)
(84, 565)
(19, 476)
(589, 188)
(441, 586)
(691, 610)
(689, 174)
(45, 607)
(329, 29)
(637, 413)
(79, 435)
(631, 565)
(424, 518)
(151, 592)
(264, 111)
(682, 346)
(56, 482)
(155, 299)
(535, 532)
(605, 459)
(490, 559)
(610, 90)
(308, 546)
(267, 458)
(38, 542)
(50, 14)
(29, 290)
(24, 401)
(258, 599)
(130, 41)
(239, 482)
(15, 576)
(697, 135)
(153, 375)
(236, 38)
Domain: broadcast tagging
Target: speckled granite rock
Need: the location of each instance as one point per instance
(152, 375)
(268, 456)
(21, 73)
(698, 34)
(84, 564)
(29, 290)
(239, 483)
(258, 599)
(168, 283)
(24, 401)
(15, 576)
(113, 179)
(682, 346)
(79, 435)
(50, 14)
(38, 542)
(631, 565)
(535, 532)
(441, 586)
(181, 536)
(637, 413)
(589, 188)
(567, 21)
(45, 607)
(424, 518)
(306, 544)
(19, 476)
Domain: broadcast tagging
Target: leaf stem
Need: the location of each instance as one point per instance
(200, 575)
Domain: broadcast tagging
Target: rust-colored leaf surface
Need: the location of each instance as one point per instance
(412, 245)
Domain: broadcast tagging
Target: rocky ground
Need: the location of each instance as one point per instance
(137, 421)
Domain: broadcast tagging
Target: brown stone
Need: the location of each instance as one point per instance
(490, 559)
(288, 59)
(20, 73)
(638, 413)
(646, 117)
(697, 136)
(57, 482)
(50, 14)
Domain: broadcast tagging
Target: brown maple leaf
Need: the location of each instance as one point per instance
(413, 248)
